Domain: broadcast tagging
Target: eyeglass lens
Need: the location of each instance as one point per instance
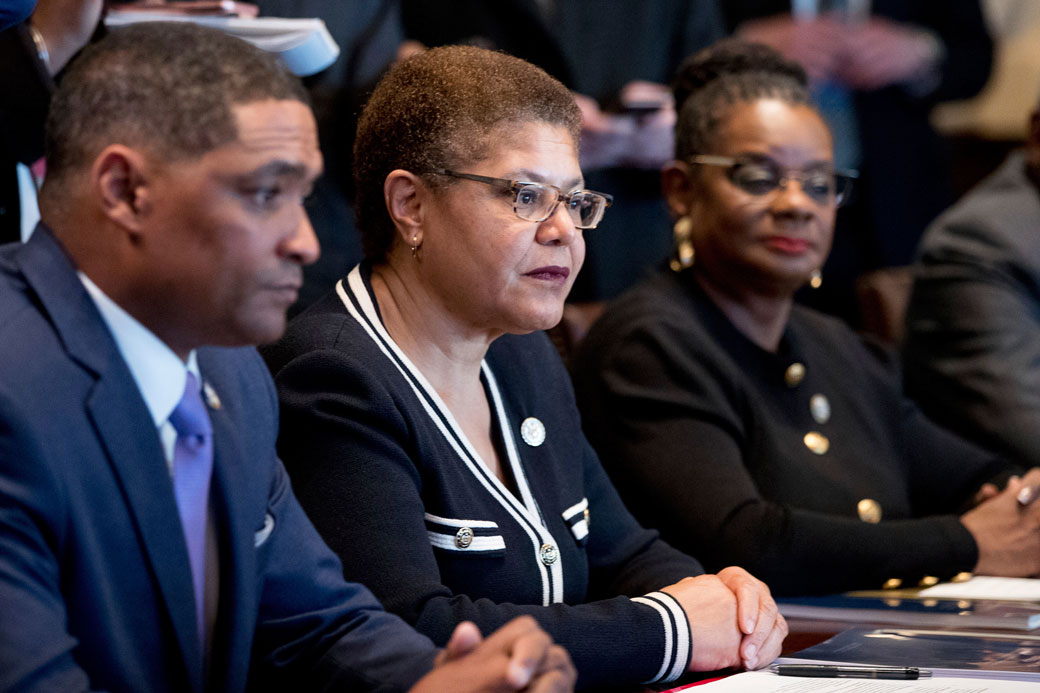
(538, 202)
(761, 178)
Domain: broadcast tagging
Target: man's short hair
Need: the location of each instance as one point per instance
(165, 87)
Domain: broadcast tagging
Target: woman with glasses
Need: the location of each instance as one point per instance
(753, 431)
(427, 422)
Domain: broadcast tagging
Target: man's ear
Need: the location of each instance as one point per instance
(121, 177)
(405, 195)
(677, 187)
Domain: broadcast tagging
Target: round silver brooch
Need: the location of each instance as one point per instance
(532, 431)
(548, 554)
(464, 537)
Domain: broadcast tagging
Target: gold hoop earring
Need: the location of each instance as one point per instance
(683, 255)
(415, 246)
(815, 278)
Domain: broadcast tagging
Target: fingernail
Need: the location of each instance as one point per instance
(519, 674)
(749, 626)
(1025, 495)
(749, 653)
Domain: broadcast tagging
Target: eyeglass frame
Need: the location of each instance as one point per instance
(515, 186)
(731, 163)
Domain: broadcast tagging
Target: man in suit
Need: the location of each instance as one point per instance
(149, 538)
(973, 323)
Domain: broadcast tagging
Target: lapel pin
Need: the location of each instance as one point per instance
(211, 396)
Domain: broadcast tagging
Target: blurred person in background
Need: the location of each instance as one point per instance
(754, 431)
(973, 324)
(876, 68)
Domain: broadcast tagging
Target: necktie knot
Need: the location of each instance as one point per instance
(190, 418)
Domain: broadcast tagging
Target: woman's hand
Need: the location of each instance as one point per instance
(1006, 532)
(733, 620)
(517, 656)
(759, 619)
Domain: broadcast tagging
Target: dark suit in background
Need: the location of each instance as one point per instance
(95, 588)
(25, 90)
(973, 324)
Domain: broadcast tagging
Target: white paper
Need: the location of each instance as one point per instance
(766, 682)
(1015, 589)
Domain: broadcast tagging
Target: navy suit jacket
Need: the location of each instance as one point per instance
(95, 588)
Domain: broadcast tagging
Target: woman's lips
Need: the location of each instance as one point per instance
(787, 244)
(551, 273)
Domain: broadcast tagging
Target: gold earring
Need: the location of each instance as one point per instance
(815, 278)
(684, 253)
(415, 246)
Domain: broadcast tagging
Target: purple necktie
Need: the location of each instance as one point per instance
(192, 468)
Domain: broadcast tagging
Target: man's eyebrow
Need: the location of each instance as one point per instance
(535, 177)
(279, 168)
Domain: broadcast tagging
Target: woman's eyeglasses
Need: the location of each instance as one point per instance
(761, 176)
(537, 202)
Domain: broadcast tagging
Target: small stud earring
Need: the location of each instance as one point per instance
(815, 279)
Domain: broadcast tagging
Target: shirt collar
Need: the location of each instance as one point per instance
(159, 373)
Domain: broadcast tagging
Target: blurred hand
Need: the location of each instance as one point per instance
(880, 52)
(652, 141)
(817, 44)
(517, 656)
(757, 617)
(1007, 534)
(66, 26)
(604, 136)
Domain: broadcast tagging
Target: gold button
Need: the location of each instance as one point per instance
(548, 554)
(820, 408)
(869, 510)
(463, 538)
(817, 442)
(586, 514)
(892, 584)
(928, 581)
(794, 374)
(962, 577)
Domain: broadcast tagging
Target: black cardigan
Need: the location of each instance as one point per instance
(377, 466)
(701, 431)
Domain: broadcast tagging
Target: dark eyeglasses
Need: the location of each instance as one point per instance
(538, 202)
(761, 176)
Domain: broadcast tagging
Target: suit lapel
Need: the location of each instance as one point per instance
(237, 608)
(125, 429)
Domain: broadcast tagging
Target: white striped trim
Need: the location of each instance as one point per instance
(556, 568)
(580, 529)
(477, 544)
(575, 509)
(448, 522)
(679, 653)
(531, 523)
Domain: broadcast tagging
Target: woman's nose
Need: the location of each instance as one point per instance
(559, 228)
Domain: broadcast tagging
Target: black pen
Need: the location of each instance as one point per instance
(829, 671)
